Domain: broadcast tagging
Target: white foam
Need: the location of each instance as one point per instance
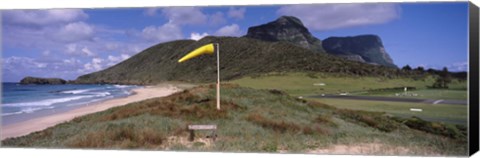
(27, 110)
(47, 102)
(77, 97)
(101, 94)
(12, 113)
(76, 91)
(121, 86)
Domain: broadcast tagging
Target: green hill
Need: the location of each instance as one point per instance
(239, 57)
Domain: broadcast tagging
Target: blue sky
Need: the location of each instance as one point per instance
(71, 42)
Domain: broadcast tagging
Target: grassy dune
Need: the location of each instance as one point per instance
(250, 121)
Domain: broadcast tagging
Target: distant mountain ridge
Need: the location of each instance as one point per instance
(365, 48)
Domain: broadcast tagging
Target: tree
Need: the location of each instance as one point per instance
(444, 78)
(431, 71)
(407, 68)
(420, 68)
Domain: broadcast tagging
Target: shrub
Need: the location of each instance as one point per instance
(278, 126)
(118, 135)
(373, 119)
(325, 120)
(436, 127)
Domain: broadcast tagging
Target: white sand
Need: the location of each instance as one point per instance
(38, 124)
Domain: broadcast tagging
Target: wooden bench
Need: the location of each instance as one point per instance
(192, 129)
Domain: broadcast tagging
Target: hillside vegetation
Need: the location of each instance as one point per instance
(239, 57)
(250, 121)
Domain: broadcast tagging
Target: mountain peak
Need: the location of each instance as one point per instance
(286, 28)
(288, 19)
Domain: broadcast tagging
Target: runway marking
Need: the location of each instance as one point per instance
(418, 110)
(437, 101)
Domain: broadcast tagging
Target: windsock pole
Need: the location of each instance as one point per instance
(218, 76)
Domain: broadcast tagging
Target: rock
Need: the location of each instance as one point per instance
(38, 80)
(289, 29)
(364, 48)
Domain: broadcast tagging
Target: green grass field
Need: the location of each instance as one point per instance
(305, 84)
(455, 114)
(424, 93)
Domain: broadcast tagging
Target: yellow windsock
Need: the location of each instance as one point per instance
(206, 49)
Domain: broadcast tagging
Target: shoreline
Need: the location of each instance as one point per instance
(41, 123)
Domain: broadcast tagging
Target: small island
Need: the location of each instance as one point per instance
(38, 80)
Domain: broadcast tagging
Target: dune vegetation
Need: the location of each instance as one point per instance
(250, 120)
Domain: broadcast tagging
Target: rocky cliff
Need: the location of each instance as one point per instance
(363, 48)
(289, 29)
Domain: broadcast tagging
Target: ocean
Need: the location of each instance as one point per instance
(24, 102)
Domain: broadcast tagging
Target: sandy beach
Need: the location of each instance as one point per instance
(41, 123)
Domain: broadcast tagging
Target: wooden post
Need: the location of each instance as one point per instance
(191, 137)
(218, 76)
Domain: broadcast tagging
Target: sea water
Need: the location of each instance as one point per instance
(24, 102)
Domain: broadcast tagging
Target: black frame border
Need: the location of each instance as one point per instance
(473, 106)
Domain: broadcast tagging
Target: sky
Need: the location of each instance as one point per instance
(67, 43)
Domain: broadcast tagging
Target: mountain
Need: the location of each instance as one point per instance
(239, 57)
(38, 80)
(289, 29)
(363, 48)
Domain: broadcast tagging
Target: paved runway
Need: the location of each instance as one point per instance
(393, 99)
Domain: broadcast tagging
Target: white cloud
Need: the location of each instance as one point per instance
(73, 32)
(71, 48)
(229, 30)
(460, 66)
(87, 52)
(150, 11)
(197, 36)
(43, 17)
(455, 67)
(112, 60)
(166, 32)
(57, 42)
(71, 61)
(46, 53)
(184, 15)
(15, 68)
(333, 16)
(16, 63)
(112, 46)
(94, 65)
(216, 19)
(236, 13)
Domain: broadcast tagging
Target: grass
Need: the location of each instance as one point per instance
(251, 120)
(455, 114)
(427, 94)
(305, 84)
